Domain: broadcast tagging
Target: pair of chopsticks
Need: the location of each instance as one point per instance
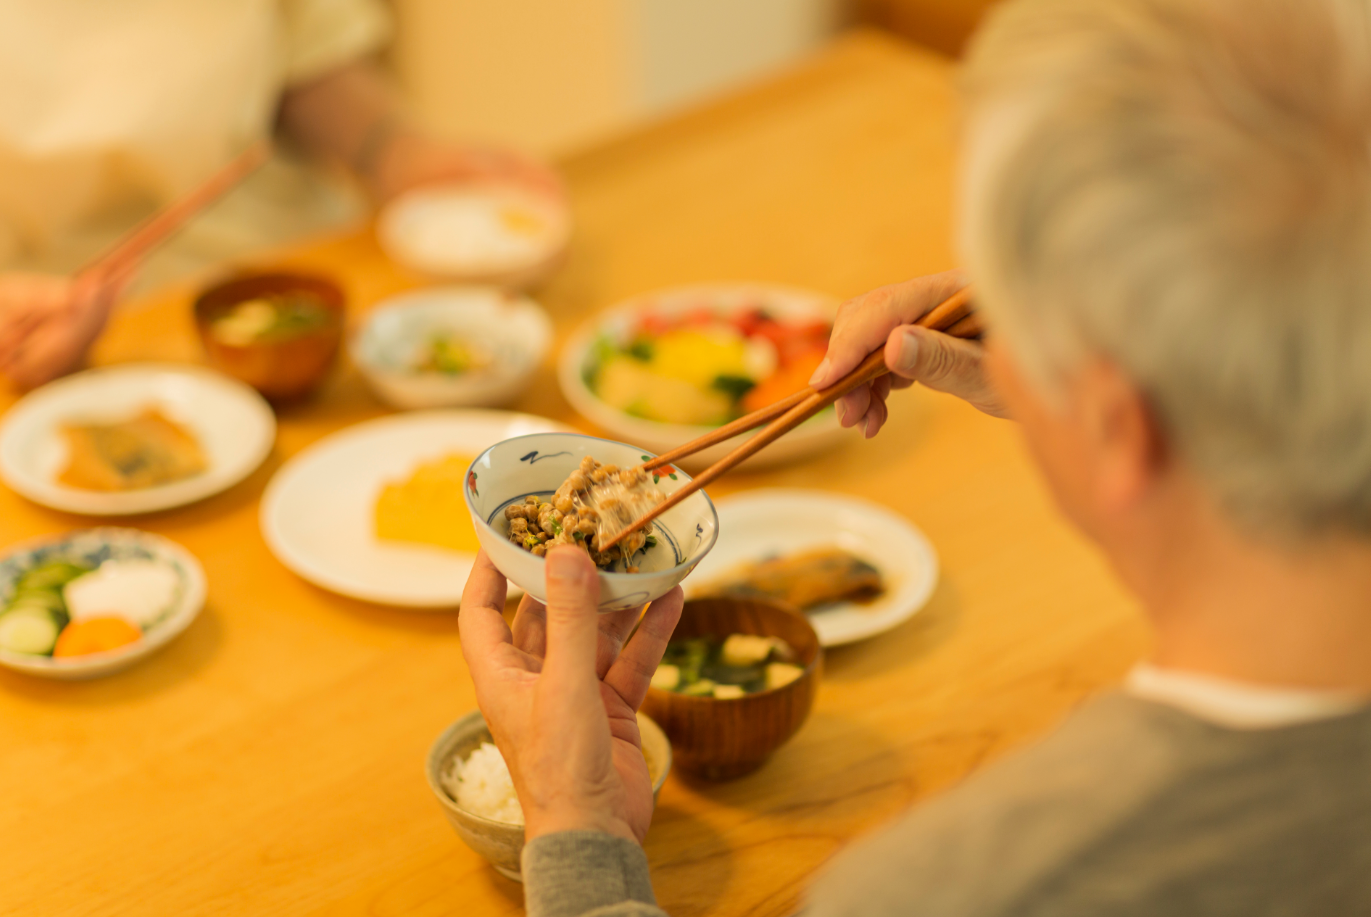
(953, 316)
(126, 254)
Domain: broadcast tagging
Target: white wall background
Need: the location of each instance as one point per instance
(553, 75)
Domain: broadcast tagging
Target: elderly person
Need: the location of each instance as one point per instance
(1167, 208)
(111, 110)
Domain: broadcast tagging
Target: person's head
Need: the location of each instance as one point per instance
(1167, 210)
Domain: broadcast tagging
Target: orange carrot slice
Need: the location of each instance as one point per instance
(95, 635)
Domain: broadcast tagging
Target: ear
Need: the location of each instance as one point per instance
(1123, 433)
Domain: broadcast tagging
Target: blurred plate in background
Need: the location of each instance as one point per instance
(91, 548)
(772, 522)
(713, 310)
(318, 512)
(233, 425)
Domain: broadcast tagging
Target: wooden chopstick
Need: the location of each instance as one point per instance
(125, 254)
(954, 313)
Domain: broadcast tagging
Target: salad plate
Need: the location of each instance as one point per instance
(668, 367)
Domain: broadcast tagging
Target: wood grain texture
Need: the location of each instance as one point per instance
(723, 740)
(270, 760)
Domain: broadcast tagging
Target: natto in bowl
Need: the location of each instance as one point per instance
(509, 471)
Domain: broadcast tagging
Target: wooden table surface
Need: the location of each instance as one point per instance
(270, 761)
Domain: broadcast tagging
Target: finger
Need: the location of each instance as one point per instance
(632, 671)
(614, 630)
(854, 406)
(530, 627)
(944, 364)
(880, 387)
(875, 418)
(480, 621)
(899, 383)
(14, 327)
(573, 631)
(864, 323)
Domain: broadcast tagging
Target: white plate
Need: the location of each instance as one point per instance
(317, 511)
(768, 522)
(814, 435)
(431, 230)
(94, 547)
(234, 425)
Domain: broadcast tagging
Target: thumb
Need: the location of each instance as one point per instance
(573, 628)
(940, 362)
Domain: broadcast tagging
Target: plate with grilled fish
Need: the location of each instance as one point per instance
(855, 568)
(134, 439)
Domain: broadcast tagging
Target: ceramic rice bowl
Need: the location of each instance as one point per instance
(500, 842)
(538, 464)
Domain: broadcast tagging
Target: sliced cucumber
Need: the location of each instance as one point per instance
(29, 595)
(58, 615)
(29, 630)
(52, 574)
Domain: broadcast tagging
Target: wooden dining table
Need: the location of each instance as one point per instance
(271, 759)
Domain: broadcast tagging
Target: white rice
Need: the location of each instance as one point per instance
(481, 784)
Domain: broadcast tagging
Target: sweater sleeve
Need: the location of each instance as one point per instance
(587, 874)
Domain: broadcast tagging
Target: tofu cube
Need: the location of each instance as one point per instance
(780, 674)
(666, 678)
(746, 649)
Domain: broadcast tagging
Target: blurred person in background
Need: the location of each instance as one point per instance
(1167, 209)
(111, 110)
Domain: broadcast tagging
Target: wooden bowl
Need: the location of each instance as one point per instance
(280, 370)
(724, 739)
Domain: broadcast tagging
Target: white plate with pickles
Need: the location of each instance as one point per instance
(94, 602)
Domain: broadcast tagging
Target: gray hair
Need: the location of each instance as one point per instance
(1184, 188)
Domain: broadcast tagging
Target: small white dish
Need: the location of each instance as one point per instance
(317, 514)
(538, 464)
(814, 435)
(493, 234)
(233, 424)
(510, 331)
(93, 547)
(770, 522)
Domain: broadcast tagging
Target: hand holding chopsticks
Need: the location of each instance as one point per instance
(953, 316)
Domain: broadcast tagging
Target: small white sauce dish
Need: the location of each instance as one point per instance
(491, 233)
(538, 464)
(511, 334)
(94, 549)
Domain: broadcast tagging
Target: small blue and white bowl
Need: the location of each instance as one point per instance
(538, 464)
(512, 330)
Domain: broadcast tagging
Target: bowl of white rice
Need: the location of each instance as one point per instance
(469, 776)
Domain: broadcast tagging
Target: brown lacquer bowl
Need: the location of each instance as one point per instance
(722, 739)
(280, 369)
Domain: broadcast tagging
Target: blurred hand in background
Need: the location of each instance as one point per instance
(48, 322)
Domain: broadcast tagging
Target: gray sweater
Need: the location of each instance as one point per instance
(1131, 808)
